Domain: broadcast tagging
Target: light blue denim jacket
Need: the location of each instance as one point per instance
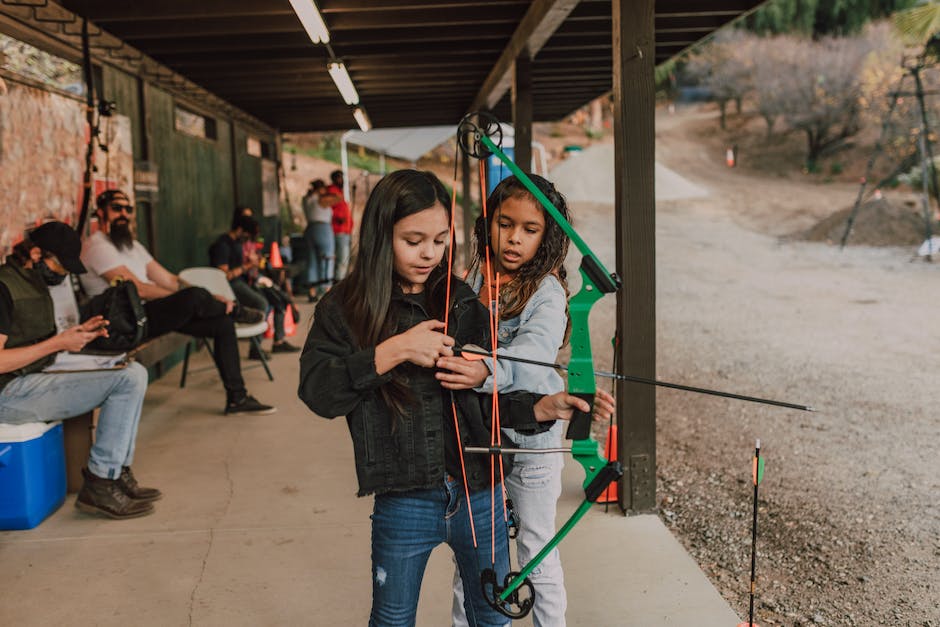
(537, 333)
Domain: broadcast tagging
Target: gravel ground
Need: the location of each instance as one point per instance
(848, 511)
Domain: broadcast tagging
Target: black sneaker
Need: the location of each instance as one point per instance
(285, 347)
(248, 405)
(247, 315)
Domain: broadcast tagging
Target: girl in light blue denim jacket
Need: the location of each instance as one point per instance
(527, 249)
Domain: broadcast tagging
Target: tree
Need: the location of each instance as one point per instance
(722, 67)
(771, 85)
(919, 24)
(824, 92)
(818, 18)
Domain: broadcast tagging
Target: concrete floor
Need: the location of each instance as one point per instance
(260, 525)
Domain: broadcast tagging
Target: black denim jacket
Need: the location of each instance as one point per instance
(338, 378)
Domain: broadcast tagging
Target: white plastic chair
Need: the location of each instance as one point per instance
(213, 280)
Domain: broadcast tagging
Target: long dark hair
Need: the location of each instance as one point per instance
(366, 293)
(548, 259)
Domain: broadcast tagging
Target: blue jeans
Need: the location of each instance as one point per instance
(119, 393)
(407, 526)
(342, 255)
(322, 252)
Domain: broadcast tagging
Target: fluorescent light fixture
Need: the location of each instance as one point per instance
(309, 17)
(362, 119)
(345, 85)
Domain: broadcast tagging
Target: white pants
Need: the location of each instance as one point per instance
(534, 486)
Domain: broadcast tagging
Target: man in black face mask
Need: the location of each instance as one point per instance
(29, 343)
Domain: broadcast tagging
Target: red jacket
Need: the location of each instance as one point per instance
(342, 216)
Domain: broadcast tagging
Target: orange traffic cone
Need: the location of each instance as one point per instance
(276, 261)
(269, 332)
(290, 327)
(610, 452)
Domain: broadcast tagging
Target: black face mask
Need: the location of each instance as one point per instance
(49, 276)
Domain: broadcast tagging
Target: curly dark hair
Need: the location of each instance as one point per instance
(548, 259)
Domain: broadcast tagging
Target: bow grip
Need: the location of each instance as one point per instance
(579, 427)
(608, 474)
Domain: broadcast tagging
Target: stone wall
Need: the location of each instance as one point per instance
(42, 147)
(43, 140)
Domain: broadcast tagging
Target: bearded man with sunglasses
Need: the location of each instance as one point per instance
(113, 253)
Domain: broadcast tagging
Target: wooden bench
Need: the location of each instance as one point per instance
(79, 432)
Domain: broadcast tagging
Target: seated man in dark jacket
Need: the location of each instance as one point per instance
(227, 254)
(29, 343)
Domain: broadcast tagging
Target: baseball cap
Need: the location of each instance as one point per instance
(62, 241)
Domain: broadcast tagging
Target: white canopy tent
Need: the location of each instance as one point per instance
(411, 144)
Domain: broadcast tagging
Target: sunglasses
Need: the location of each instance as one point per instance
(128, 209)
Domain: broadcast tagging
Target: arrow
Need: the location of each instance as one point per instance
(478, 355)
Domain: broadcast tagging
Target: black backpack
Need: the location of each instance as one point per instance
(121, 307)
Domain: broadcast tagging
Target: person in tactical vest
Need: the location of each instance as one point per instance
(29, 342)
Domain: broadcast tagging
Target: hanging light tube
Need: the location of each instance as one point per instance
(362, 119)
(310, 18)
(343, 82)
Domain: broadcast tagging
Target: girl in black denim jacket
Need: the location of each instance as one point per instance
(370, 356)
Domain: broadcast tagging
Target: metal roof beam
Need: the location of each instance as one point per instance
(536, 27)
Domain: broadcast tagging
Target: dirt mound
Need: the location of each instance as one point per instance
(877, 223)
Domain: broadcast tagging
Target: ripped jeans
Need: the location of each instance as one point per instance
(406, 526)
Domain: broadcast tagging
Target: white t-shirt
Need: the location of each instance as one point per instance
(316, 213)
(100, 255)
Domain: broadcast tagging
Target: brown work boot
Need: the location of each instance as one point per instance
(105, 496)
(131, 488)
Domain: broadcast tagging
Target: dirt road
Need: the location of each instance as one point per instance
(850, 523)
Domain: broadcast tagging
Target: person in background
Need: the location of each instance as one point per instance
(113, 253)
(319, 237)
(29, 343)
(342, 225)
(227, 254)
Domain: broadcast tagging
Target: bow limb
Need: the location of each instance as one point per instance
(595, 282)
(599, 473)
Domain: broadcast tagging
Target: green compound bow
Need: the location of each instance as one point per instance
(475, 139)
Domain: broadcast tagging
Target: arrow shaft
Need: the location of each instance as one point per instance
(645, 381)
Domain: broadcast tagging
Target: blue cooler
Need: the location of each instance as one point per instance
(32, 473)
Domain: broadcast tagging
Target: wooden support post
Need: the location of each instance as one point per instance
(522, 111)
(634, 162)
(146, 215)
